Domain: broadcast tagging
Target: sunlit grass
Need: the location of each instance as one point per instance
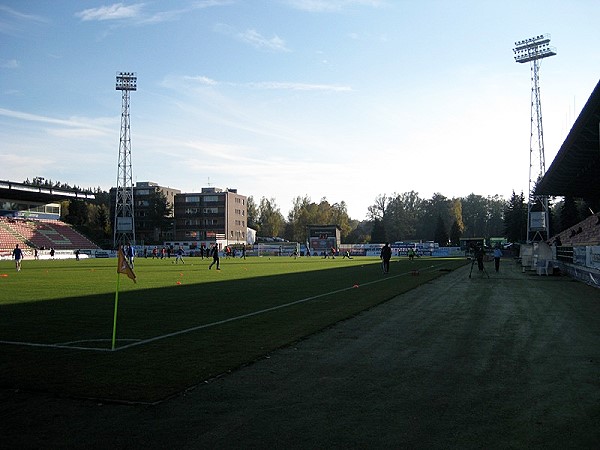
(72, 303)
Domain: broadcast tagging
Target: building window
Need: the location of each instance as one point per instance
(192, 199)
(211, 198)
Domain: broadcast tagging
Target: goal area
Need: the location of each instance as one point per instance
(277, 248)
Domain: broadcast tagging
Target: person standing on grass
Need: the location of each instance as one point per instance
(130, 254)
(386, 255)
(18, 255)
(179, 255)
(497, 256)
(215, 254)
(479, 254)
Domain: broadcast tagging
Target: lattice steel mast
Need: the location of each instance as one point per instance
(532, 50)
(124, 225)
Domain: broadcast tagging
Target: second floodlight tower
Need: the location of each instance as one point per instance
(532, 50)
(124, 226)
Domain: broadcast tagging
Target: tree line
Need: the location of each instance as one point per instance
(408, 217)
(396, 217)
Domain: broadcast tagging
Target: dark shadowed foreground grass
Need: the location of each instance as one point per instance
(180, 324)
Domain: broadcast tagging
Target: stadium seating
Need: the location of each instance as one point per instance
(586, 232)
(41, 234)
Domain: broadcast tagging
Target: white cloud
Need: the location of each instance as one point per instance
(19, 15)
(116, 11)
(330, 5)
(13, 22)
(271, 85)
(254, 38)
(78, 126)
(10, 64)
(202, 80)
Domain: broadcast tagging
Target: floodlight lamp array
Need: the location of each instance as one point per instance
(533, 48)
(126, 81)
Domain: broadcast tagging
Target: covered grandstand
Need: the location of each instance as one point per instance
(30, 217)
(575, 172)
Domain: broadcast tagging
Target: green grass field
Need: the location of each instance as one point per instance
(179, 324)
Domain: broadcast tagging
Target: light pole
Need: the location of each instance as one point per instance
(531, 50)
(124, 226)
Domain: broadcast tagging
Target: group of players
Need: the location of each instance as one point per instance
(386, 256)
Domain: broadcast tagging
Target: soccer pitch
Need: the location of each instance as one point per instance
(179, 324)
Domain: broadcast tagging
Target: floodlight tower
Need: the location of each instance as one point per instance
(124, 226)
(532, 50)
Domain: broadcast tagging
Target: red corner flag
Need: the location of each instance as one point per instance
(124, 267)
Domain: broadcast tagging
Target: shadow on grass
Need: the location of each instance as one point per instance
(164, 367)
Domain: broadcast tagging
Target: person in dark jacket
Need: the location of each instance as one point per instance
(215, 254)
(386, 255)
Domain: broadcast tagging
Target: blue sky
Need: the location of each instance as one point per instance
(343, 99)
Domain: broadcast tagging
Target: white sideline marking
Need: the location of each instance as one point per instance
(70, 347)
(255, 313)
(200, 327)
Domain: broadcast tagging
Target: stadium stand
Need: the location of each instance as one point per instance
(41, 234)
(574, 172)
(586, 232)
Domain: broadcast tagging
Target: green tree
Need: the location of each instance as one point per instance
(515, 218)
(455, 234)
(360, 232)
(441, 235)
(437, 206)
(569, 213)
(475, 215)
(159, 214)
(338, 215)
(399, 216)
(102, 222)
(495, 216)
(305, 212)
(457, 227)
(271, 220)
(252, 218)
(300, 216)
(378, 232)
(77, 213)
(398, 223)
(377, 210)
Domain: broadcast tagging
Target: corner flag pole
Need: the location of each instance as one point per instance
(122, 267)
(114, 333)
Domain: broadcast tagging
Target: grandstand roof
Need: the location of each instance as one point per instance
(10, 190)
(575, 170)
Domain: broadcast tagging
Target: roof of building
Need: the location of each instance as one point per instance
(575, 170)
(22, 192)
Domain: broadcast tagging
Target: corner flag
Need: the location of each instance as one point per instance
(123, 266)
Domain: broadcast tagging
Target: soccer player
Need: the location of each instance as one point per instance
(18, 255)
(179, 255)
(215, 254)
(386, 255)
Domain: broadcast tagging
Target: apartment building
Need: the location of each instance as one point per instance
(214, 214)
(147, 230)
